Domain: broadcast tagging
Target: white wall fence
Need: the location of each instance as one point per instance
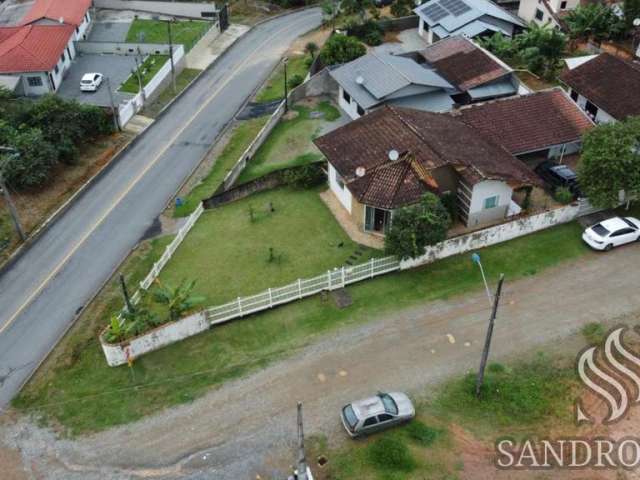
(120, 48)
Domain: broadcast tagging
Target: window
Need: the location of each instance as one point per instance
(563, 5)
(56, 69)
(370, 422)
(539, 14)
(340, 180)
(385, 417)
(574, 95)
(591, 109)
(346, 96)
(77, 30)
(491, 202)
(34, 81)
(360, 110)
(624, 231)
(350, 416)
(389, 404)
(63, 57)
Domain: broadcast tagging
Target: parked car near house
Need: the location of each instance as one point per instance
(91, 82)
(376, 413)
(612, 232)
(558, 176)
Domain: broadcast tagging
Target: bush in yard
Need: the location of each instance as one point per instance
(422, 434)
(563, 195)
(610, 162)
(295, 80)
(131, 324)
(304, 177)
(390, 453)
(341, 49)
(417, 226)
(593, 21)
(369, 32)
(402, 8)
(500, 45)
(178, 300)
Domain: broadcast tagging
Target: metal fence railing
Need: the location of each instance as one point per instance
(332, 280)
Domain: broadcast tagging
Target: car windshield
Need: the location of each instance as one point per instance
(389, 405)
(600, 230)
(86, 81)
(350, 416)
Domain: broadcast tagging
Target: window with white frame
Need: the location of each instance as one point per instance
(539, 14)
(339, 180)
(491, 202)
(34, 81)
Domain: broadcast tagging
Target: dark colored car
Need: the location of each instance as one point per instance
(559, 176)
(382, 3)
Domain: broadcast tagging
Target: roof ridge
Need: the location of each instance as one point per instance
(415, 131)
(391, 66)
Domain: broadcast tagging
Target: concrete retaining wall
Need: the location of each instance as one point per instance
(118, 354)
(497, 234)
(398, 24)
(120, 48)
(320, 84)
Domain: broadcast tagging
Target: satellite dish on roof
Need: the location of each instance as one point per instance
(360, 171)
(61, 20)
(359, 79)
(393, 155)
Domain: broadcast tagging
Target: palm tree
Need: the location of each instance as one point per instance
(178, 300)
(311, 48)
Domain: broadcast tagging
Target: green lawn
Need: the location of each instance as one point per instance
(185, 33)
(290, 142)
(185, 78)
(273, 89)
(148, 69)
(80, 392)
(242, 135)
(228, 232)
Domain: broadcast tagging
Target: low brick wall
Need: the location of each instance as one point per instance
(119, 353)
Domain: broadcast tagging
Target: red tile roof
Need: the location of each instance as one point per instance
(70, 11)
(32, 48)
(528, 123)
(610, 83)
(427, 141)
(463, 63)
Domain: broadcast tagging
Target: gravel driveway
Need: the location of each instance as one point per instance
(247, 427)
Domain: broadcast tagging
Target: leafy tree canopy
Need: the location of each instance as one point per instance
(594, 21)
(341, 49)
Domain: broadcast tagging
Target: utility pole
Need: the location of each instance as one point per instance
(116, 123)
(286, 93)
(7, 197)
(487, 341)
(138, 66)
(173, 68)
(302, 459)
(125, 293)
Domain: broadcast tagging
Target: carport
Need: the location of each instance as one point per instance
(116, 67)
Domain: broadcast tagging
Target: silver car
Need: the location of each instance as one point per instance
(377, 413)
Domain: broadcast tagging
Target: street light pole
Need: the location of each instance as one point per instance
(286, 93)
(173, 68)
(487, 341)
(476, 259)
(7, 197)
(116, 123)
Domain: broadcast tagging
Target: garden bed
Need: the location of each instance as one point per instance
(148, 69)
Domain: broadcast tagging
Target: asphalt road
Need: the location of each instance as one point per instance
(41, 293)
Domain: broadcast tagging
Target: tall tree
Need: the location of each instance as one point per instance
(341, 49)
(594, 22)
(541, 48)
(611, 162)
(631, 12)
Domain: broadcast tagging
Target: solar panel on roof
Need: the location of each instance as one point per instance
(455, 7)
(435, 12)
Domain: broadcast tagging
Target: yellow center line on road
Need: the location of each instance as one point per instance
(131, 185)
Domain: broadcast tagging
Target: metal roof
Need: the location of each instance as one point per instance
(496, 89)
(437, 101)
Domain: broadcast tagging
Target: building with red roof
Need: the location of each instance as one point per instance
(40, 49)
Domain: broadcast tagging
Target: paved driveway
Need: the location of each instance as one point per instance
(109, 32)
(116, 67)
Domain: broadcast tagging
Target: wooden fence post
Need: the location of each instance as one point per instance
(270, 299)
(239, 306)
(299, 288)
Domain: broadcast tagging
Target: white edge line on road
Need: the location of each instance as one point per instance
(132, 184)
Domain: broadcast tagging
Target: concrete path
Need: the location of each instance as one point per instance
(247, 427)
(43, 290)
(209, 47)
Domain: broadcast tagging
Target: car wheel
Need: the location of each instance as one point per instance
(608, 247)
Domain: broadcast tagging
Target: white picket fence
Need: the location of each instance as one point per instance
(332, 280)
(168, 253)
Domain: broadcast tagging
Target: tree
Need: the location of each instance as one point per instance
(402, 8)
(500, 45)
(541, 48)
(311, 48)
(415, 227)
(341, 49)
(611, 162)
(593, 21)
(178, 300)
(356, 7)
(631, 12)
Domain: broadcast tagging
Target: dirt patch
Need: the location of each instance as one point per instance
(318, 36)
(11, 465)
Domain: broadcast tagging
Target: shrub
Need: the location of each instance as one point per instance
(304, 177)
(422, 434)
(295, 80)
(563, 195)
(390, 453)
(401, 8)
(449, 201)
(369, 32)
(373, 38)
(341, 49)
(594, 333)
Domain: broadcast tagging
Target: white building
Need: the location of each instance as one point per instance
(545, 12)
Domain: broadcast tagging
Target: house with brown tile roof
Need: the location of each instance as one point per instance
(606, 87)
(393, 156)
(546, 123)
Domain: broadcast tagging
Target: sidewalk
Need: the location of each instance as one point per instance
(212, 45)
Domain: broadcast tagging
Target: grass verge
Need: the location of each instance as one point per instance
(290, 143)
(182, 81)
(185, 33)
(79, 391)
(148, 69)
(241, 137)
(274, 87)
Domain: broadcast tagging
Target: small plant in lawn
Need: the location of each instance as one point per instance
(422, 434)
(178, 300)
(389, 453)
(296, 80)
(305, 177)
(594, 333)
(563, 195)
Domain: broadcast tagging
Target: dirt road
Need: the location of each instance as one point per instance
(247, 427)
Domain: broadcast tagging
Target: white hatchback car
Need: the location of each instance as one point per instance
(612, 232)
(91, 82)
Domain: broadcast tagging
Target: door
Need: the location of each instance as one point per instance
(622, 236)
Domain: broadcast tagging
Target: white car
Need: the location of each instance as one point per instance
(612, 232)
(377, 413)
(90, 82)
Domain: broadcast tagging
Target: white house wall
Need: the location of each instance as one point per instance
(483, 190)
(351, 108)
(35, 91)
(342, 194)
(601, 116)
(81, 30)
